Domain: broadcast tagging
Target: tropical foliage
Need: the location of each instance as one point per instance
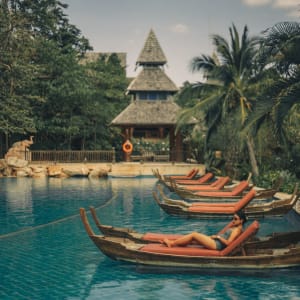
(247, 102)
(249, 96)
(46, 89)
(232, 77)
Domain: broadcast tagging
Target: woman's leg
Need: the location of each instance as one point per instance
(200, 238)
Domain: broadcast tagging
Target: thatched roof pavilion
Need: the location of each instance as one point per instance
(152, 113)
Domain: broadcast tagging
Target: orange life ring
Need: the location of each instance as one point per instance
(127, 147)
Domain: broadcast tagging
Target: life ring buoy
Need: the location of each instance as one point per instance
(127, 147)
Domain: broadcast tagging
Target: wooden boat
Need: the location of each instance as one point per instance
(274, 240)
(235, 256)
(217, 184)
(223, 210)
(229, 194)
(192, 174)
(207, 178)
(166, 178)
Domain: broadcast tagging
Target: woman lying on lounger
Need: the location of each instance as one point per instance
(213, 242)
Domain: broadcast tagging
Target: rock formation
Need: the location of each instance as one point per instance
(17, 158)
(20, 149)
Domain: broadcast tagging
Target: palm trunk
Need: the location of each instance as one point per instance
(252, 157)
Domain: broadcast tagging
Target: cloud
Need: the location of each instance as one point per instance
(292, 7)
(294, 13)
(286, 3)
(257, 2)
(180, 28)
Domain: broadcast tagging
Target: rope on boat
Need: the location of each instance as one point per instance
(11, 234)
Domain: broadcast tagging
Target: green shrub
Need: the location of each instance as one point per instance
(268, 179)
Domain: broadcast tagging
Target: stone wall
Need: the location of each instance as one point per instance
(16, 167)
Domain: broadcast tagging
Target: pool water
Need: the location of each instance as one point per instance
(45, 252)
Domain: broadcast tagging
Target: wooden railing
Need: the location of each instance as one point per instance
(151, 156)
(73, 156)
(65, 156)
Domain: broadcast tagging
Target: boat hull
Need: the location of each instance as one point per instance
(125, 250)
(252, 209)
(242, 258)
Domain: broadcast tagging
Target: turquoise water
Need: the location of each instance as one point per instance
(46, 254)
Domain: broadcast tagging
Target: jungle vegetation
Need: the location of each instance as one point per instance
(247, 99)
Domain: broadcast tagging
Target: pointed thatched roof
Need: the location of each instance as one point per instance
(152, 79)
(143, 113)
(152, 53)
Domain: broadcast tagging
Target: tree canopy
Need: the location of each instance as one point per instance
(46, 89)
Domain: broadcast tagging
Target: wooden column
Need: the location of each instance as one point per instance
(161, 132)
(172, 144)
(179, 148)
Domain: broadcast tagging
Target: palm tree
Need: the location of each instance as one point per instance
(232, 78)
(281, 51)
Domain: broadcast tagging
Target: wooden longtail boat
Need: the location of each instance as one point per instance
(226, 210)
(167, 178)
(274, 240)
(218, 184)
(207, 178)
(214, 186)
(227, 194)
(234, 256)
(192, 174)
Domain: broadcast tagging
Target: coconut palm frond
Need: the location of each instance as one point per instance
(222, 49)
(261, 110)
(282, 43)
(281, 32)
(285, 101)
(202, 63)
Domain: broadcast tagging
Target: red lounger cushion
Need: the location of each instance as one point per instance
(202, 179)
(190, 175)
(197, 250)
(226, 208)
(236, 191)
(149, 236)
(217, 185)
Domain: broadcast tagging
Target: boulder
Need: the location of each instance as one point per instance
(8, 172)
(96, 173)
(21, 173)
(3, 164)
(54, 171)
(16, 162)
(38, 169)
(76, 171)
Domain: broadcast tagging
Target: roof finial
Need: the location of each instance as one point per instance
(152, 53)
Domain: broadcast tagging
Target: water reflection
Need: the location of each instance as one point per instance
(26, 202)
(156, 283)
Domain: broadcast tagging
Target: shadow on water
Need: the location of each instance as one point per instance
(233, 272)
(186, 283)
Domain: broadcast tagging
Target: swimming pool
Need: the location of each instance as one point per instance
(46, 254)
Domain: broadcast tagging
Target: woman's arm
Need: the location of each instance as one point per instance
(234, 234)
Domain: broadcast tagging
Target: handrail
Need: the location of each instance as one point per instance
(70, 156)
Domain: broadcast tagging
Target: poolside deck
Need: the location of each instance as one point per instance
(125, 169)
(143, 169)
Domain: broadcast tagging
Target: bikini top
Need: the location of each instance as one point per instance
(226, 234)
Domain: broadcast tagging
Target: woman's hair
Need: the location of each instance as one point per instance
(242, 216)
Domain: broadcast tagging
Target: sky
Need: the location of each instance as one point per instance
(183, 27)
